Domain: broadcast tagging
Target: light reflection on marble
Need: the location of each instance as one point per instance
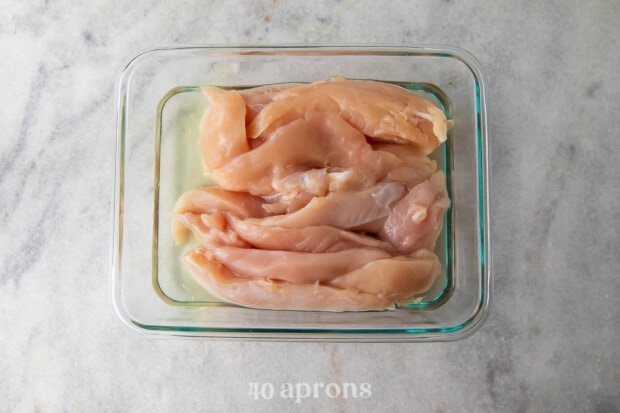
(550, 342)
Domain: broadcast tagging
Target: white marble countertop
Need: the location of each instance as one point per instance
(551, 340)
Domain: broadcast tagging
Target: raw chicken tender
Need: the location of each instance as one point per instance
(278, 295)
(398, 278)
(416, 167)
(211, 227)
(363, 211)
(211, 200)
(258, 97)
(381, 111)
(416, 220)
(326, 199)
(321, 238)
(316, 140)
(222, 129)
(297, 189)
(293, 266)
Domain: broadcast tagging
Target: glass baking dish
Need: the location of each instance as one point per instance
(159, 109)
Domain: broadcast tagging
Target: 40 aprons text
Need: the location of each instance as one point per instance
(300, 391)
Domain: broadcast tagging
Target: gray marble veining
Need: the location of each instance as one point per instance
(550, 343)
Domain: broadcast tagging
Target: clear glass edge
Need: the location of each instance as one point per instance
(461, 331)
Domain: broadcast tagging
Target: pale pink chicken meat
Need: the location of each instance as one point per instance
(278, 295)
(381, 111)
(362, 210)
(293, 266)
(229, 229)
(396, 278)
(257, 98)
(214, 199)
(297, 189)
(326, 198)
(211, 200)
(316, 140)
(211, 227)
(416, 167)
(416, 220)
(222, 128)
(321, 238)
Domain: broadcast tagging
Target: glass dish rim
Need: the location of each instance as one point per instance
(465, 329)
